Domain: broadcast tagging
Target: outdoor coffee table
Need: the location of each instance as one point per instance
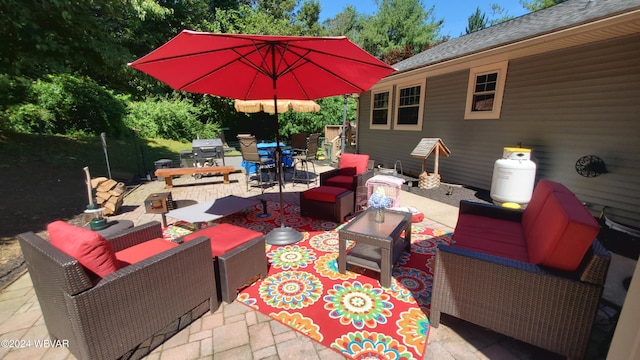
(200, 214)
(378, 245)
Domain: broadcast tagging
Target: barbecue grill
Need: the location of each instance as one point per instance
(207, 151)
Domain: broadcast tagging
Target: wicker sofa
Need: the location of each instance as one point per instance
(130, 311)
(535, 275)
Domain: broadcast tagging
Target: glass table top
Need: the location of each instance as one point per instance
(366, 225)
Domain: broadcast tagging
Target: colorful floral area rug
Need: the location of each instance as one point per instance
(349, 313)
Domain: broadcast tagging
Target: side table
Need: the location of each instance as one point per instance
(114, 226)
(378, 245)
(159, 203)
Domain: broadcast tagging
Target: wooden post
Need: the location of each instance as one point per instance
(89, 190)
(435, 162)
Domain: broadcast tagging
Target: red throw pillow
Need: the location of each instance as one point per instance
(88, 247)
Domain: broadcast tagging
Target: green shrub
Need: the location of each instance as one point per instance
(175, 119)
(13, 90)
(79, 105)
(30, 118)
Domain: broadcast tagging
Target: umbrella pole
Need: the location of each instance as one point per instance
(344, 126)
(282, 235)
(279, 161)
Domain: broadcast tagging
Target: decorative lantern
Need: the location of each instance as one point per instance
(98, 221)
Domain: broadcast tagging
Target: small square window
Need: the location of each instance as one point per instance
(484, 95)
(486, 82)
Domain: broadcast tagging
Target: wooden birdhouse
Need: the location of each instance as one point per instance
(422, 151)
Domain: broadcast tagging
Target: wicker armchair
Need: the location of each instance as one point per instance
(129, 312)
(352, 174)
(549, 308)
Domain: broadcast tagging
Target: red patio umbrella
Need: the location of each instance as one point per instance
(254, 67)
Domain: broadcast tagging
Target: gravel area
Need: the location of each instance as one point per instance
(447, 193)
(451, 194)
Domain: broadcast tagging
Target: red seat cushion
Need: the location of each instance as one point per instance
(224, 237)
(562, 233)
(359, 161)
(543, 189)
(88, 247)
(341, 181)
(324, 193)
(136, 253)
(348, 171)
(491, 236)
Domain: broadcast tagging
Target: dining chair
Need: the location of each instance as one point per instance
(299, 143)
(250, 154)
(302, 161)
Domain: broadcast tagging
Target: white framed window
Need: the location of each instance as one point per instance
(485, 90)
(410, 104)
(380, 109)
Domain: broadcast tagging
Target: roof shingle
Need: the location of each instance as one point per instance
(565, 15)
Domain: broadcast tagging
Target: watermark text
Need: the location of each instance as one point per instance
(28, 343)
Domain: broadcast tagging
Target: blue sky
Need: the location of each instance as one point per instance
(454, 12)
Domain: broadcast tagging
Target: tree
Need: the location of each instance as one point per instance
(535, 5)
(270, 17)
(308, 19)
(398, 54)
(398, 24)
(499, 15)
(94, 38)
(477, 21)
(347, 23)
(331, 113)
(278, 9)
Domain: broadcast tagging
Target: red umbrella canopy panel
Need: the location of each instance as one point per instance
(253, 67)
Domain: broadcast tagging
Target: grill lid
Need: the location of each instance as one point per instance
(206, 144)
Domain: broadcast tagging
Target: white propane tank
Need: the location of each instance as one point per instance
(513, 177)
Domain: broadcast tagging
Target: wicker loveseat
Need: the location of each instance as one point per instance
(127, 312)
(535, 275)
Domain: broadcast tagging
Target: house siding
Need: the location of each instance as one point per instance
(563, 105)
